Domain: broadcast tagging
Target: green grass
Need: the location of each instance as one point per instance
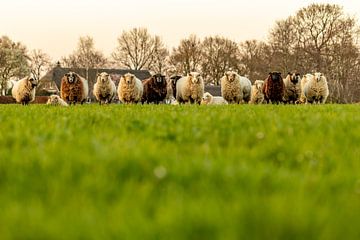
(180, 172)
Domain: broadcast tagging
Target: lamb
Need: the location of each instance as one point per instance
(209, 99)
(235, 88)
(24, 90)
(257, 95)
(292, 88)
(274, 88)
(104, 88)
(74, 88)
(190, 89)
(55, 100)
(314, 88)
(130, 89)
(155, 89)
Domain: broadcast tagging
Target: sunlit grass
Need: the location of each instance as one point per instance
(180, 172)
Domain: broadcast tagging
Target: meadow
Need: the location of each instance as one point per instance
(180, 172)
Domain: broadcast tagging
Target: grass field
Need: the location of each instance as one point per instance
(180, 172)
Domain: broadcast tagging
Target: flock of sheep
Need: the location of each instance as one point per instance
(235, 89)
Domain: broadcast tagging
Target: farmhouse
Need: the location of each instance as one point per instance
(50, 83)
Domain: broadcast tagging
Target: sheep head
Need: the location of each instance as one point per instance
(32, 82)
(159, 79)
(71, 77)
(275, 76)
(294, 77)
(53, 99)
(129, 78)
(207, 97)
(103, 77)
(259, 84)
(318, 76)
(230, 76)
(195, 77)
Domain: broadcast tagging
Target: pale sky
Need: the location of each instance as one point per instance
(56, 25)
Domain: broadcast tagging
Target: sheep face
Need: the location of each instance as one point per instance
(294, 77)
(103, 77)
(32, 81)
(259, 84)
(53, 99)
(71, 77)
(195, 77)
(230, 76)
(318, 76)
(275, 76)
(207, 97)
(159, 79)
(129, 79)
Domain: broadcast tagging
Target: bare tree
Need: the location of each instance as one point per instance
(13, 60)
(137, 49)
(187, 56)
(85, 55)
(40, 62)
(160, 57)
(256, 57)
(218, 56)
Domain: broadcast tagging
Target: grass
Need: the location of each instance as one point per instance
(179, 172)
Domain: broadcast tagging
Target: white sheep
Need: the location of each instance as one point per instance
(314, 88)
(5, 87)
(292, 88)
(190, 89)
(257, 93)
(23, 90)
(55, 100)
(104, 88)
(130, 89)
(235, 88)
(209, 99)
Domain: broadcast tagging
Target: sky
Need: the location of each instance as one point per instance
(56, 25)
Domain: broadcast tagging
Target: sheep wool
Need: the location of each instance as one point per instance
(315, 88)
(292, 88)
(24, 90)
(74, 88)
(130, 89)
(55, 100)
(235, 88)
(209, 99)
(104, 88)
(190, 89)
(257, 95)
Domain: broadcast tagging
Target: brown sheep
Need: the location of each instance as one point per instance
(274, 88)
(74, 88)
(155, 89)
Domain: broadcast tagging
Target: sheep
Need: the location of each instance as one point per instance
(292, 88)
(209, 99)
(55, 100)
(155, 89)
(274, 88)
(6, 86)
(130, 89)
(23, 90)
(257, 95)
(235, 88)
(314, 88)
(190, 89)
(104, 88)
(74, 88)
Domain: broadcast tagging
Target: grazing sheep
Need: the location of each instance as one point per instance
(155, 89)
(104, 88)
(314, 88)
(190, 89)
(209, 99)
(130, 89)
(292, 88)
(74, 88)
(274, 88)
(24, 90)
(55, 100)
(257, 95)
(235, 88)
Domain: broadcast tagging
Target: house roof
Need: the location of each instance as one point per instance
(57, 73)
